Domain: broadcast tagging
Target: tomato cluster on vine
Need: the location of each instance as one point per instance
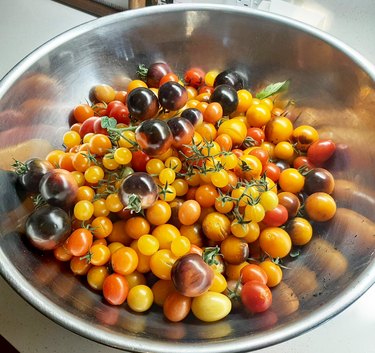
(194, 180)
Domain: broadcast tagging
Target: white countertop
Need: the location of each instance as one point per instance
(27, 24)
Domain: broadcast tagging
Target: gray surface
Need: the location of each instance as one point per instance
(336, 92)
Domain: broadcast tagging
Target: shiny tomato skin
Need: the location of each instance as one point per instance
(320, 151)
(253, 272)
(256, 296)
(139, 161)
(120, 113)
(115, 289)
(176, 306)
(276, 217)
(88, 126)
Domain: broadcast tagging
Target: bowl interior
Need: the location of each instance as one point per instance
(333, 89)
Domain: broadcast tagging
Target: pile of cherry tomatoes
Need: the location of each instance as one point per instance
(182, 192)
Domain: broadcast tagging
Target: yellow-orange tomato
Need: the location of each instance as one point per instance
(235, 128)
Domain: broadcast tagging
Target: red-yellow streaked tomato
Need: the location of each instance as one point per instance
(96, 276)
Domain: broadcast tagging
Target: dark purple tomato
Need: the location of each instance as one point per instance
(194, 115)
(182, 131)
(59, 188)
(291, 202)
(30, 173)
(229, 77)
(282, 165)
(48, 227)
(154, 137)
(155, 73)
(142, 103)
(138, 191)
(319, 180)
(191, 276)
(227, 97)
(172, 95)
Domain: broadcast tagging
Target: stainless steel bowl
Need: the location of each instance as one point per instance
(333, 88)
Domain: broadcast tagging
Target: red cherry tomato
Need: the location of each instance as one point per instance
(88, 126)
(253, 272)
(256, 134)
(139, 161)
(320, 151)
(272, 171)
(276, 217)
(194, 77)
(256, 296)
(121, 113)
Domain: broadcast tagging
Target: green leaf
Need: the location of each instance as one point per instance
(108, 123)
(272, 89)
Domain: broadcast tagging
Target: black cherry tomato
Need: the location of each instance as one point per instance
(154, 136)
(229, 77)
(191, 276)
(48, 227)
(172, 95)
(227, 97)
(142, 103)
(30, 173)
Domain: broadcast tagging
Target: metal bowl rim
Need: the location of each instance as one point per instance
(256, 341)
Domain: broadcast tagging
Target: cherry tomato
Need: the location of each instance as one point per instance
(142, 103)
(31, 172)
(189, 212)
(320, 151)
(176, 306)
(124, 260)
(319, 180)
(115, 289)
(170, 76)
(47, 227)
(158, 213)
(104, 93)
(278, 129)
(226, 96)
(216, 226)
(235, 128)
(229, 77)
(211, 306)
(303, 136)
(96, 276)
(299, 230)
(234, 250)
(291, 202)
(275, 242)
(291, 180)
(258, 115)
(172, 95)
(273, 271)
(320, 207)
(140, 298)
(276, 217)
(161, 263)
(79, 242)
(194, 77)
(256, 296)
(139, 160)
(59, 188)
(155, 72)
(82, 112)
(252, 272)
